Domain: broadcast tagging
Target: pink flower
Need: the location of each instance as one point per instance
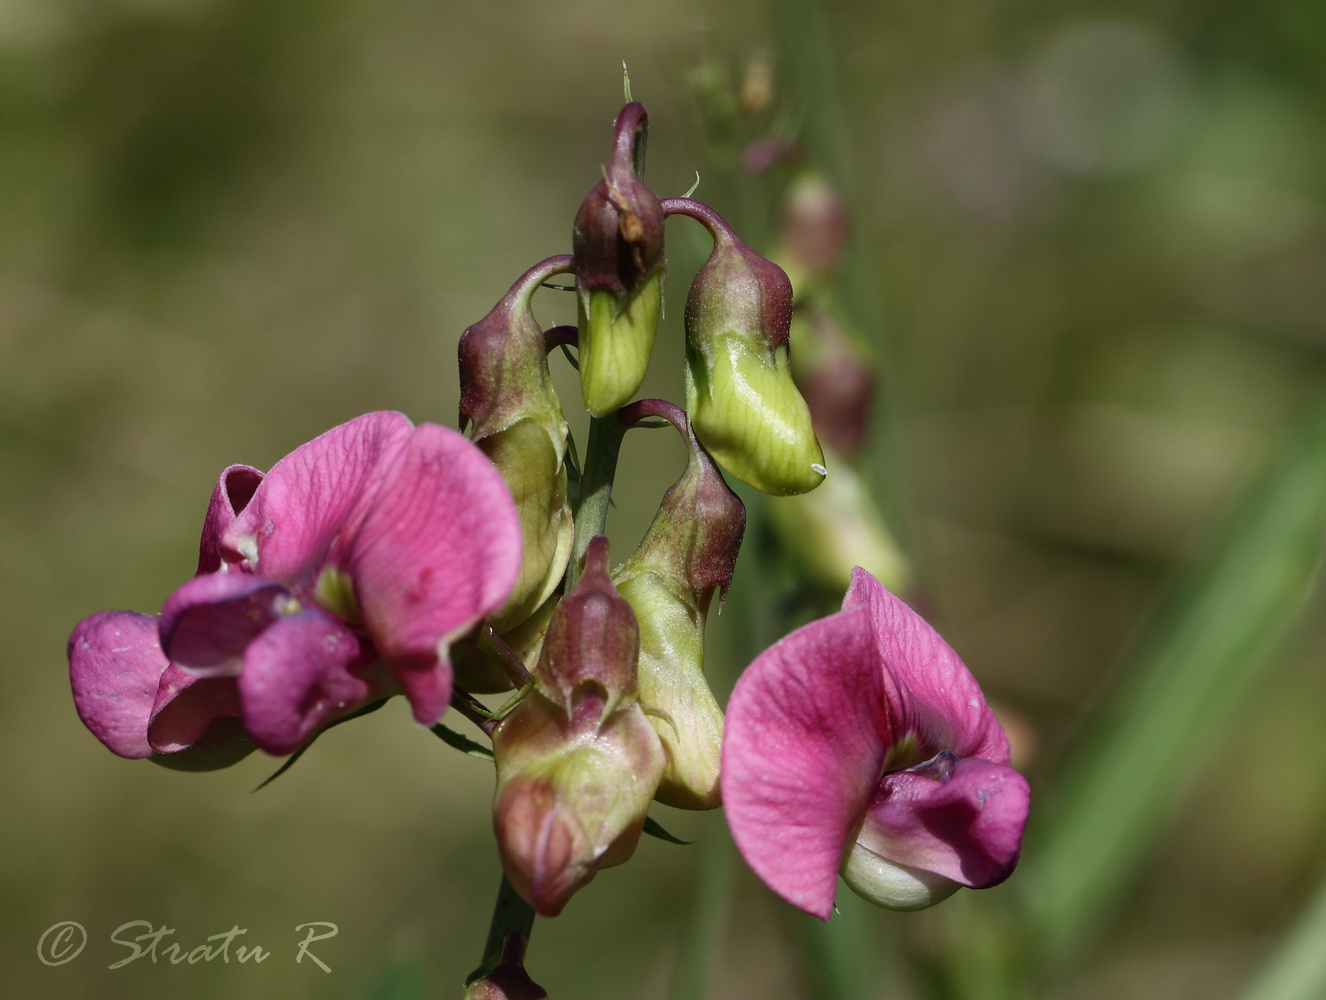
(340, 578)
(861, 744)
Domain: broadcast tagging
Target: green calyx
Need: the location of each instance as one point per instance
(748, 413)
(616, 342)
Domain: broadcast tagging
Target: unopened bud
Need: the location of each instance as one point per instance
(739, 391)
(838, 527)
(830, 366)
(592, 644)
(686, 557)
(812, 231)
(618, 244)
(515, 417)
(577, 761)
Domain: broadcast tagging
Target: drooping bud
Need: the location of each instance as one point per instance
(514, 416)
(687, 555)
(812, 229)
(618, 244)
(838, 527)
(739, 392)
(577, 761)
(835, 378)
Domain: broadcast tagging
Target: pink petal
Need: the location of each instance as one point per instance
(439, 547)
(234, 489)
(804, 747)
(931, 693)
(964, 823)
(115, 665)
(297, 677)
(208, 622)
(195, 722)
(313, 498)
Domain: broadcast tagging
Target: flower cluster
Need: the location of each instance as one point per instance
(386, 558)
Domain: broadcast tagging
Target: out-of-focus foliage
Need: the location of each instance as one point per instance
(1089, 248)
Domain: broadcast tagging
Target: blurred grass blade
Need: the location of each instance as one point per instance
(1204, 649)
(1296, 969)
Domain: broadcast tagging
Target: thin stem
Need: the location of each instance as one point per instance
(465, 703)
(508, 932)
(632, 413)
(591, 516)
(512, 665)
(561, 336)
(702, 213)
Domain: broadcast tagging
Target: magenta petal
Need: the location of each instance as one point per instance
(209, 621)
(186, 705)
(313, 498)
(438, 548)
(803, 749)
(931, 693)
(115, 666)
(195, 723)
(965, 825)
(296, 677)
(234, 489)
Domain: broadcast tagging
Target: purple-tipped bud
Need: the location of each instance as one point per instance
(592, 644)
(813, 228)
(513, 413)
(835, 379)
(577, 761)
(739, 391)
(687, 555)
(618, 244)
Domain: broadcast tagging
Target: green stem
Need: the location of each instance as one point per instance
(512, 916)
(600, 466)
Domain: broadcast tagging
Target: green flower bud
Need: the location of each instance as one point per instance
(618, 244)
(836, 528)
(577, 761)
(739, 391)
(687, 555)
(515, 417)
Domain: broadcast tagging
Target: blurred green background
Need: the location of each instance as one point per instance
(1089, 243)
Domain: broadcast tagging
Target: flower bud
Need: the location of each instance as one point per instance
(838, 527)
(831, 368)
(577, 761)
(688, 554)
(593, 643)
(739, 391)
(618, 244)
(812, 230)
(515, 417)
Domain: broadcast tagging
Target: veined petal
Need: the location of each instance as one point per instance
(297, 677)
(195, 723)
(438, 548)
(115, 665)
(313, 498)
(209, 621)
(932, 696)
(964, 824)
(234, 489)
(802, 755)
